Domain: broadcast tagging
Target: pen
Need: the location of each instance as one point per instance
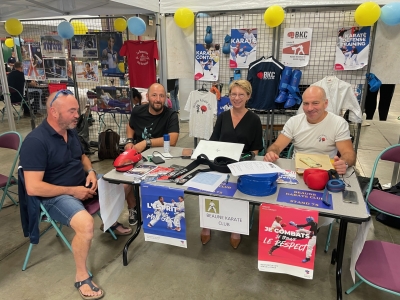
(227, 179)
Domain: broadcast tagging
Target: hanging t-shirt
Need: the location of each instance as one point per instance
(142, 67)
(264, 76)
(202, 107)
(224, 104)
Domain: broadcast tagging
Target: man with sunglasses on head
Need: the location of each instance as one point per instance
(57, 171)
(147, 125)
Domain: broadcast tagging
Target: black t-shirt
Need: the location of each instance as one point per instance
(16, 80)
(148, 126)
(45, 150)
(264, 76)
(248, 131)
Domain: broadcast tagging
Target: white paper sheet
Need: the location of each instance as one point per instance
(253, 167)
(207, 181)
(163, 155)
(358, 245)
(112, 200)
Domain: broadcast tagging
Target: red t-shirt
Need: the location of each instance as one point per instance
(142, 67)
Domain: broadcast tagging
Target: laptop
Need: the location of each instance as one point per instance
(214, 149)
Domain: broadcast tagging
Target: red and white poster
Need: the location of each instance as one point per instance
(287, 239)
(296, 47)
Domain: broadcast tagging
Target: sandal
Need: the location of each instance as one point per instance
(117, 232)
(89, 282)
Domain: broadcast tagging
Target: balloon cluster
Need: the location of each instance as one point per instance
(368, 13)
(184, 17)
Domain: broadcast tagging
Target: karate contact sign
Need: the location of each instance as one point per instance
(296, 47)
(224, 214)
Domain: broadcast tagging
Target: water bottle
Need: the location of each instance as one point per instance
(166, 143)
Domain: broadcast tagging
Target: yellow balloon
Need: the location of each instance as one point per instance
(184, 17)
(274, 16)
(79, 27)
(120, 24)
(367, 14)
(9, 43)
(13, 27)
(121, 67)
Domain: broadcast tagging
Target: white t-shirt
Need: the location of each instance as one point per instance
(202, 107)
(317, 138)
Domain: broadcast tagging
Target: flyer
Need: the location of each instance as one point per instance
(84, 46)
(113, 99)
(243, 47)
(163, 212)
(287, 239)
(352, 48)
(55, 68)
(206, 65)
(296, 47)
(109, 45)
(87, 71)
(52, 46)
(32, 63)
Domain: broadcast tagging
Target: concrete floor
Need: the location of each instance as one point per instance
(157, 271)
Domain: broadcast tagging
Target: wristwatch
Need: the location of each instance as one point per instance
(148, 143)
(347, 165)
(129, 140)
(90, 170)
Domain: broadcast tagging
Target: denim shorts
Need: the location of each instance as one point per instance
(62, 208)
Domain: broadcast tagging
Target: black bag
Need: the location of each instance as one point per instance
(82, 129)
(108, 144)
(364, 182)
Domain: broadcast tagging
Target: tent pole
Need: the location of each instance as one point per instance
(6, 93)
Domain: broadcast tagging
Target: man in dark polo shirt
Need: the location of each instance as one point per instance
(57, 171)
(147, 125)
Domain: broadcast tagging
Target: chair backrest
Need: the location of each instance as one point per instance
(391, 153)
(11, 140)
(14, 90)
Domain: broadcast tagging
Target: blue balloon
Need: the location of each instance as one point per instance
(16, 41)
(136, 26)
(65, 30)
(203, 15)
(390, 14)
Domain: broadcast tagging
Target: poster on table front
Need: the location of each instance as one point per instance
(286, 240)
(113, 99)
(112, 64)
(32, 61)
(87, 71)
(352, 48)
(296, 47)
(52, 46)
(84, 46)
(55, 68)
(224, 214)
(206, 65)
(243, 47)
(163, 213)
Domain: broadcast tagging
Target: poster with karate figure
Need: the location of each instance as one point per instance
(287, 239)
(243, 47)
(163, 214)
(296, 47)
(352, 48)
(206, 65)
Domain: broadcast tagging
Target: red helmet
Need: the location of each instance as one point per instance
(127, 160)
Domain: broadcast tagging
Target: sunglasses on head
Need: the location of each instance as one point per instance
(64, 92)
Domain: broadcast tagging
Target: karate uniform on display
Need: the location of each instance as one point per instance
(340, 95)
(180, 213)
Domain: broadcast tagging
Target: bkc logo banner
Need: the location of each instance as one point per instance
(296, 47)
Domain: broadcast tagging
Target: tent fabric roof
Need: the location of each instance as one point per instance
(27, 9)
(170, 6)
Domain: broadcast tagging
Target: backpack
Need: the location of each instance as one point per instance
(108, 144)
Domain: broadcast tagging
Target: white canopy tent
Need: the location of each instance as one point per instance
(170, 6)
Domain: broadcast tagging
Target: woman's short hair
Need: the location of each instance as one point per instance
(243, 84)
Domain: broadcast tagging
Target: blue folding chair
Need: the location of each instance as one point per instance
(33, 213)
(11, 140)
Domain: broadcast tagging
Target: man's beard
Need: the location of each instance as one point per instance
(65, 125)
(157, 109)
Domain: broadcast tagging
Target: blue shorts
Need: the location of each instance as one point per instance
(62, 208)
